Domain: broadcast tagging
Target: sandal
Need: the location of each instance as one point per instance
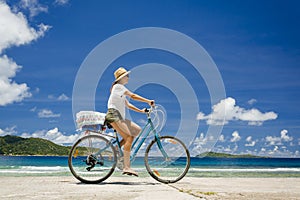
(130, 172)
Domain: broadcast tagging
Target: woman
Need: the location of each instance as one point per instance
(116, 114)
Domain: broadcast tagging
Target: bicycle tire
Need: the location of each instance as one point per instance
(87, 164)
(168, 170)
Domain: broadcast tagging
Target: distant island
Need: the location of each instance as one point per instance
(16, 146)
(226, 155)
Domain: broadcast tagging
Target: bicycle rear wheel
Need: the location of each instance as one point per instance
(167, 160)
(92, 159)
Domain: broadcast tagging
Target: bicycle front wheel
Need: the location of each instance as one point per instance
(167, 159)
(92, 159)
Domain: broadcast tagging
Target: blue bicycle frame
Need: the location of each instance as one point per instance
(148, 128)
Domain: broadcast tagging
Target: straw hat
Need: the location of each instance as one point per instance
(120, 73)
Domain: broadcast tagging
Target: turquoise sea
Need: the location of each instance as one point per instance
(200, 167)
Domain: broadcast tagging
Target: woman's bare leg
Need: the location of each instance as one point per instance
(133, 127)
(122, 128)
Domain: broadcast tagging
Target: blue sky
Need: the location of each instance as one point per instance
(254, 44)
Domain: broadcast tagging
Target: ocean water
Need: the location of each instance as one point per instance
(200, 167)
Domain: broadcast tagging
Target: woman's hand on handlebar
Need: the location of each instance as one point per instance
(151, 103)
(146, 110)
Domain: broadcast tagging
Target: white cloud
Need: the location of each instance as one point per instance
(33, 109)
(273, 140)
(222, 138)
(227, 110)
(61, 2)
(201, 140)
(50, 96)
(273, 151)
(284, 136)
(279, 140)
(53, 135)
(249, 139)
(63, 97)
(250, 143)
(231, 148)
(281, 152)
(11, 91)
(45, 113)
(15, 30)
(199, 144)
(235, 137)
(33, 6)
(252, 101)
(8, 131)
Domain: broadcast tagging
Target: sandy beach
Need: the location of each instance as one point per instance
(133, 188)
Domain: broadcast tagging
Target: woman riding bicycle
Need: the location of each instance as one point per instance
(116, 114)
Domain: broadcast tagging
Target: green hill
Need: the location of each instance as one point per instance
(14, 145)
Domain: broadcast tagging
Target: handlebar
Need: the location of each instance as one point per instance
(157, 114)
(149, 110)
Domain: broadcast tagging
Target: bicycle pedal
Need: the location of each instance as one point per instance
(89, 168)
(101, 163)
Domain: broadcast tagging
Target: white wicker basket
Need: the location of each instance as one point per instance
(89, 118)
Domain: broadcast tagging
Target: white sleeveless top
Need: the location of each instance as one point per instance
(117, 99)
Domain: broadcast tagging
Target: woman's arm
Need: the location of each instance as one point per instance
(132, 107)
(139, 98)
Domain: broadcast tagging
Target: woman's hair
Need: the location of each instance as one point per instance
(112, 85)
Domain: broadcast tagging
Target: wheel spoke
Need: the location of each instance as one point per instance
(167, 160)
(92, 159)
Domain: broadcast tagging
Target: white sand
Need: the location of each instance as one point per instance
(132, 188)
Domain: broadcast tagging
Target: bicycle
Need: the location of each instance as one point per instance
(94, 157)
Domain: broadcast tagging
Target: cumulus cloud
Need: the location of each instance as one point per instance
(33, 6)
(284, 136)
(8, 131)
(11, 91)
(227, 110)
(273, 140)
(222, 138)
(199, 144)
(250, 142)
(53, 135)
(46, 113)
(63, 97)
(200, 141)
(235, 137)
(15, 30)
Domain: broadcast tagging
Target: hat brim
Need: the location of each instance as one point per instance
(123, 75)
